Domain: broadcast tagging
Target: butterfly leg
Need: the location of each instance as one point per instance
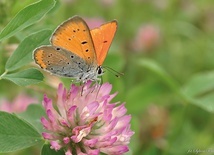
(98, 82)
(82, 87)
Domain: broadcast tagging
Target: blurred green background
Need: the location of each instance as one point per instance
(165, 50)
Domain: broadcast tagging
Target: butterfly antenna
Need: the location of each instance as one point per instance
(111, 70)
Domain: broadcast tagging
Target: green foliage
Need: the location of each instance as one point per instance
(26, 17)
(199, 85)
(25, 77)
(16, 134)
(199, 90)
(160, 72)
(33, 115)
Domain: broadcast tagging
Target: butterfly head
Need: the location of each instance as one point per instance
(91, 74)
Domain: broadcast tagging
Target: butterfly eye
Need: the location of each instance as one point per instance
(99, 70)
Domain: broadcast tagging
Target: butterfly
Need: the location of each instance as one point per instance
(76, 51)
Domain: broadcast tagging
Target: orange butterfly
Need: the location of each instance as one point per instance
(76, 51)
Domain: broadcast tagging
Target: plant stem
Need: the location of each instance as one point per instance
(5, 72)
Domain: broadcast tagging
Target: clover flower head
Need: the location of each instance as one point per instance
(84, 122)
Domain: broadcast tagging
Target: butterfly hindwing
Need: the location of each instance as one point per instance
(59, 61)
(74, 36)
(102, 39)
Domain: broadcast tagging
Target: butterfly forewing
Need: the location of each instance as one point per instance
(74, 36)
(102, 39)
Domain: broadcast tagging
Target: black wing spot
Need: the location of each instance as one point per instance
(84, 30)
(51, 68)
(89, 57)
(78, 29)
(57, 48)
(84, 42)
(72, 56)
(68, 63)
(79, 63)
(69, 38)
(105, 41)
(74, 30)
(86, 50)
